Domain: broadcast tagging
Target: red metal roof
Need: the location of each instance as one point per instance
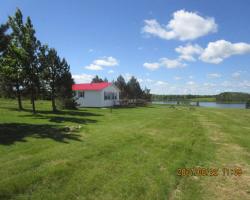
(90, 86)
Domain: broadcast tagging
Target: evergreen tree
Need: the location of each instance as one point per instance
(31, 46)
(96, 79)
(5, 85)
(14, 56)
(50, 65)
(146, 94)
(248, 104)
(134, 88)
(4, 38)
(121, 84)
(64, 86)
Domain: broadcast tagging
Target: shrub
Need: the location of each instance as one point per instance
(248, 104)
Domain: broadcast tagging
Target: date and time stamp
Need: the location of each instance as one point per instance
(201, 171)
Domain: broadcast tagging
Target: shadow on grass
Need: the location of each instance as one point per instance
(60, 119)
(14, 132)
(80, 113)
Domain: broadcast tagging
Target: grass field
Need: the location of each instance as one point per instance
(130, 153)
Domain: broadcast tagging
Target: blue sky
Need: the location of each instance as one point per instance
(171, 46)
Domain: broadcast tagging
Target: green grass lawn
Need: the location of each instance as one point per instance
(129, 153)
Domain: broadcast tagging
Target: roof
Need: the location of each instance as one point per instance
(90, 86)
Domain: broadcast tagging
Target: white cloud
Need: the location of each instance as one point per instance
(99, 64)
(151, 66)
(183, 26)
(214, 75)
(217, 51)
(111, 71)
(190, 77)
(177, 78)
(187, 52)
(161, 83)
(91, 50)
(236, 75)
(171, 63)
(165, 62)
(94, 67)
(82, 78)
(209, 84)
(106, 61)
(190, 83)
(140, 48)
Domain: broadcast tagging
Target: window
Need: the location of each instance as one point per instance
(110, 96)
(81, 94)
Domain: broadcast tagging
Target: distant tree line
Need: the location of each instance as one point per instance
(29, 69)
(231, 97)
(226, 97)
(129, 90)
(157, 97)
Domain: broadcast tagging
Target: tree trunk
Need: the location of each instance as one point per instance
(20, 107)
(53, 98)
(33, 100)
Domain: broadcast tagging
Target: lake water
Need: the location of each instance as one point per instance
(208, 104)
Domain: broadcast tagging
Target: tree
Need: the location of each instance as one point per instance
(31, 46)
(248, 104)
(146, 94)
(13, 59)
(5, 86)
(96, 79)
(121, 84)
(134, 88)
(105, 80)
(50, 67)
(64, 86)
(4, 38)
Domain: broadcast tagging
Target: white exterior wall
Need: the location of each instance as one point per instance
(90, 99)
(96, 98)
(109, 102)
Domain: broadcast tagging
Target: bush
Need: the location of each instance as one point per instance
(66, 103)
(248, 104)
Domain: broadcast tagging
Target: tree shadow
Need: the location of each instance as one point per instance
(16, 132)
(80, 113)
(61, 119)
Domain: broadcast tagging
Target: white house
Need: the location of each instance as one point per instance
(96, 94)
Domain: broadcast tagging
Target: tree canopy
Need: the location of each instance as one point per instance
(29, 68)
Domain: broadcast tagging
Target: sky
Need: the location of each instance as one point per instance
(170, 46)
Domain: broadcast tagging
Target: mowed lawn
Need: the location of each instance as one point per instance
(130, 153)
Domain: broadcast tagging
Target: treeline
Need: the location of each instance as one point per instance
(157, 97)
(231, 97)
(130, 89)
(225, 97)
(29, 69)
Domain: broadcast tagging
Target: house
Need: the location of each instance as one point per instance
(96, 94)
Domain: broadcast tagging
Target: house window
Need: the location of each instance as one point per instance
(109, 96)
(81, 94)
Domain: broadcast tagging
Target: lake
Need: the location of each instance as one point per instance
(208, 104)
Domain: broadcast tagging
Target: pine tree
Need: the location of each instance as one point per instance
(64, 84)
(96, 79)
(4, 38)
(31, 46)
(13, 59)
(134, 88)
(121, 84)
(50, 67)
